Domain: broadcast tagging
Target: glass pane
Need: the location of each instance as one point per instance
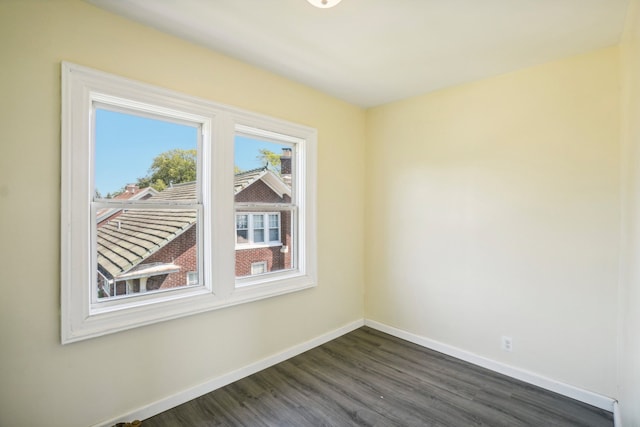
(265, 175)
(146, 250)
(242, 236)
(273, 221)
(263, 171)
(278, 254)
(138, 157)
(242, 221)
(258, 268)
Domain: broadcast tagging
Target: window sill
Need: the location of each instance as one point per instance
(257, 246)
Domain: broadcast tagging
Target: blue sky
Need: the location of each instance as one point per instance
(247, 149)
(126, 145)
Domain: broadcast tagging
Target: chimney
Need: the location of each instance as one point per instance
(132, 188)
(285, 165)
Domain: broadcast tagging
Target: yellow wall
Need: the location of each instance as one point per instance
(493, 209)
(44, 383)
(629, 350)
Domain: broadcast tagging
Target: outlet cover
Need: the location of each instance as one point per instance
(507, 343)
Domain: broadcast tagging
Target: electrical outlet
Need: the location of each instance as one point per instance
(507, 343)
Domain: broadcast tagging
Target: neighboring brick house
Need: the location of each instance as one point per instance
(140, 250)
(263, 238)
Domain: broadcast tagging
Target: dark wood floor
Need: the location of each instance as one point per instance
(368, 378)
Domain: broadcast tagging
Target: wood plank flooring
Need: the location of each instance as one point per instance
(368, 378)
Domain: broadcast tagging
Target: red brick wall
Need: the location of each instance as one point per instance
(285, 163)
(272, 255)
(260, 192)
(182, 252)
(276, 260)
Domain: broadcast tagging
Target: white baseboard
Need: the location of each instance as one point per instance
(576, 393)
(223, 380)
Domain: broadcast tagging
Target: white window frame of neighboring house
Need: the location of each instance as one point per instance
(192, 277)
(81, 316)
(251, 243)
(263, 266)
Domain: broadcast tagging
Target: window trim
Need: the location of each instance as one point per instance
(219, 289)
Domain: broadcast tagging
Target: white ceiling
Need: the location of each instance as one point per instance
(370, 52)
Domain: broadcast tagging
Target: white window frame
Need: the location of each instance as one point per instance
(80, 317)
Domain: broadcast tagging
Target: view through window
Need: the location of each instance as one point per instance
(264, 194)
(146, 204)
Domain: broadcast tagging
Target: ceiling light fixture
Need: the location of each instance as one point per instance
(324, 4)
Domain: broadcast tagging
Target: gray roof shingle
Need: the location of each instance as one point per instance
(133, 235)
(185, 191)
(127, 240)
(244, 179)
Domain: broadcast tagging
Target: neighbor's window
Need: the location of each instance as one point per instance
(259, 267)
(192, 278)
(150, 229)
(257, 229)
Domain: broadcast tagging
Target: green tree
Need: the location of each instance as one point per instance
(171, 167)
(114, 194)
(270, 158)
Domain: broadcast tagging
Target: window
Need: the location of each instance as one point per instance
(192, 278)
(269, 202)
(251, 231)
(242, 229)
(142, 246)
(142, 242)
(258, 267)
